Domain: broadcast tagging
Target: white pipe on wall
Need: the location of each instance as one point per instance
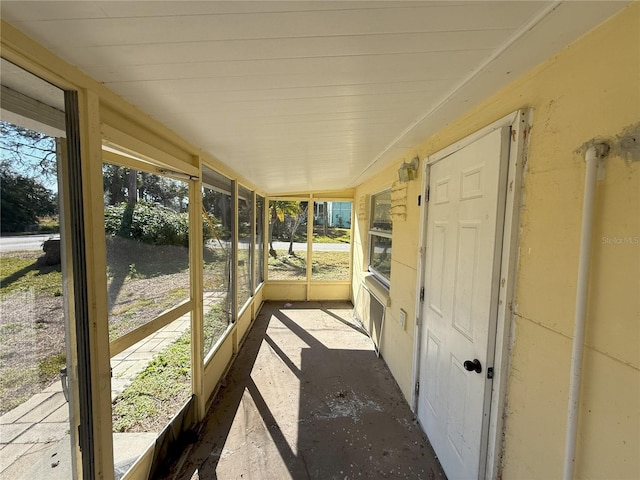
(592, 156)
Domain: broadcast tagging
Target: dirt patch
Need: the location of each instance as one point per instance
(143, 281)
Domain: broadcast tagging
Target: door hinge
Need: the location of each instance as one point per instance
(422, 294)
(417, 388)
(419, 200)
(490, 372)
(428, 193)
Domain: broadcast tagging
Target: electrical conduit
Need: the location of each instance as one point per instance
(592, 157)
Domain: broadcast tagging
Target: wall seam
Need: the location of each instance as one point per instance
(587, 345)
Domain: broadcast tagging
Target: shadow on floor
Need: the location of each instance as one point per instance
(307, 398)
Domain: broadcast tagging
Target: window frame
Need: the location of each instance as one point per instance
(224, 186)
(381, 233)
(247, 194)
(325, 201)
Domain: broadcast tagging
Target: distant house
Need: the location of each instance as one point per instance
(338, 214)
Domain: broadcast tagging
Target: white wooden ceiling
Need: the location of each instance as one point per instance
(300, 96)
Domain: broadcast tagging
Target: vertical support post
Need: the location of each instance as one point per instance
(195, 272)
(234, 255)
(66, 258)
(310, 210)
(90, 282)
(265, 234)
(253, 256)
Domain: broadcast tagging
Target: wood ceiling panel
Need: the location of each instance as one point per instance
(320, 108)
(176, 8)
(249, 95)
(401, 63)
(19, 11)
(259, 133)
(360, 95)
(320, 23)
(282, 48)
(49, 10)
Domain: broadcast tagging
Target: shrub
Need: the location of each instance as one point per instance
(152, 224)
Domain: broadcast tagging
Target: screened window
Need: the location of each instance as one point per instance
(331, 247)
(218, 256)
(380, 234)
(259, 270)
(147, 238)
(146, 219)
(287, 240)
(245, 249)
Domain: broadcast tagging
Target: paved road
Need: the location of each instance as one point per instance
(34, 242)
(24, 242)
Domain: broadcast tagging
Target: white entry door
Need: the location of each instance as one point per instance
(464, 238)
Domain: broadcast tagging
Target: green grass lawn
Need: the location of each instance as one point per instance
(330, 266)
(325, 266)
(21, 272)
(334, 235)
(32, 329)
(157, 393)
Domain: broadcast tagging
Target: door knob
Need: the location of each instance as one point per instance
(472, 365)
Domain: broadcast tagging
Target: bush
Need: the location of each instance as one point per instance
(152, 224)
(22, 201)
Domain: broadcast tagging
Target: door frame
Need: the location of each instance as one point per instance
(520, 123)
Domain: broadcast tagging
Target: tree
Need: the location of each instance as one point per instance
(114, 182)
(23, 200)
(167, 192)
(33, 153)
(325, 218)
(123, 184)
(218, 204)
(280, 211)
(300, 215)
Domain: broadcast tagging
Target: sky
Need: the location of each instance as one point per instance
(30, 159)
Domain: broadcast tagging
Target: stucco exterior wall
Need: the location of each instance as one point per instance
(589, 90)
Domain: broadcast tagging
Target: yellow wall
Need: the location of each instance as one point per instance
(591, 89)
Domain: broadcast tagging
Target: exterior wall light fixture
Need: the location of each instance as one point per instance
(408, 171)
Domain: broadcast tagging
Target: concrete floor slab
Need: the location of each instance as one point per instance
(21, 468)
(24, 408)
(152, 345)
(44, 409)
(307, 398)
(51, 461)
(139, 355)
(56, 386)
(10, 453)
(43, 433)
(8, 433)
(61, 415)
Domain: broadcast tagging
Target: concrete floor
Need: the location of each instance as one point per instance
(307, 398)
